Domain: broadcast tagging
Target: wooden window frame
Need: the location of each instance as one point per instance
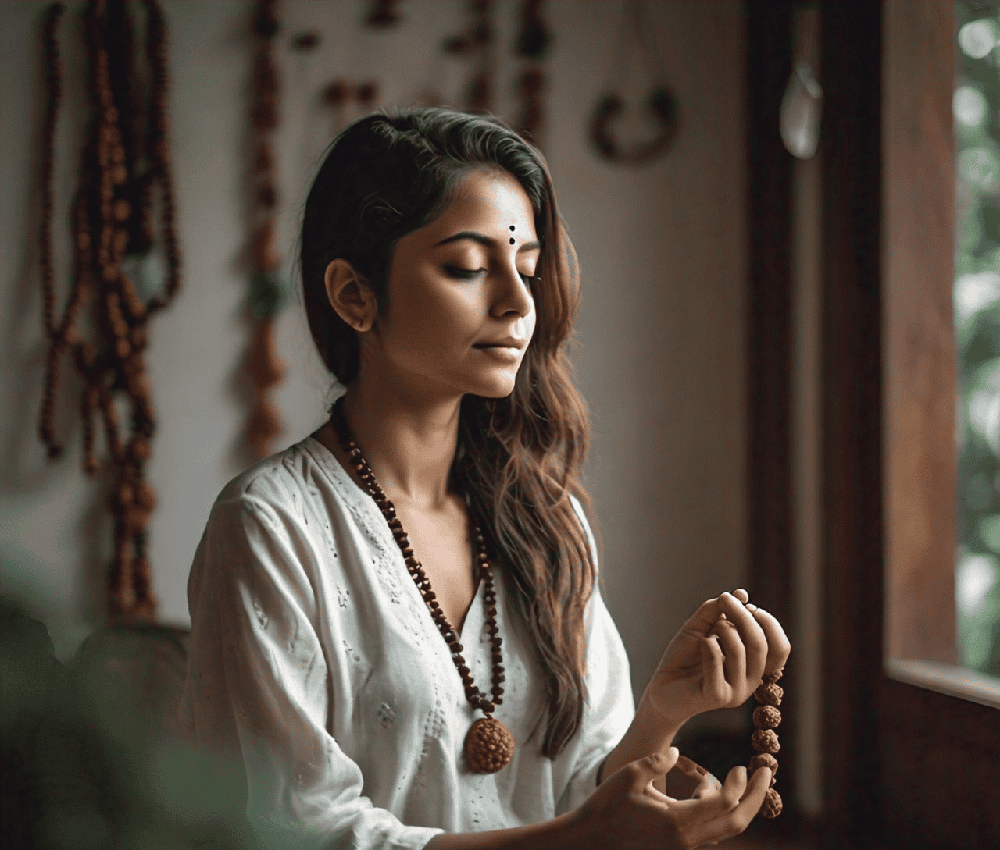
(904, 765)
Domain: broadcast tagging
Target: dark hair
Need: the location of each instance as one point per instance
(519, 458)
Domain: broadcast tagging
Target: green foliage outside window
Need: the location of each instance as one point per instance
(977, 332)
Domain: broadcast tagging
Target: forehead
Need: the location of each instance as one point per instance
(490, 202)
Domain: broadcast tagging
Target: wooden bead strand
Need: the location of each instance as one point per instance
(110, 218)
(533, 42)
(766, 718)
(489, 744)
(267, 295)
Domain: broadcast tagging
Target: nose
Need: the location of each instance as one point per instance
(512, 296)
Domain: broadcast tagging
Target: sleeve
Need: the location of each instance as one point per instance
(258, 686)
(610, 704)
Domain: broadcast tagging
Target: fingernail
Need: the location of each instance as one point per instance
(751, 607)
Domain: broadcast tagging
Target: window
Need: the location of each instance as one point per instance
(976, 110)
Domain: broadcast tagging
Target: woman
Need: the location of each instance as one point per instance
(395, 622)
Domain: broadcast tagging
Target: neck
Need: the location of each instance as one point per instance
(410, 446)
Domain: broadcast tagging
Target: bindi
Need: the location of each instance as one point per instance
(512, 238)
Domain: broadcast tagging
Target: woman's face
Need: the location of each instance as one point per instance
(461, 310)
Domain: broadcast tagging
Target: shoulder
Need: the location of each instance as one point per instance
(282, 479)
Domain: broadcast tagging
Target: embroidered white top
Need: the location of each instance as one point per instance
(314, 661)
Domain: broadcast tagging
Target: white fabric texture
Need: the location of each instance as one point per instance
(315, 661)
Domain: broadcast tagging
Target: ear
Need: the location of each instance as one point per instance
(350, 296)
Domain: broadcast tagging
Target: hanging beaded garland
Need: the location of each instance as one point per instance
(489, 744)
(383, 14)
(112, 228)
(478, 40)
(660, 104)
(267, 295)
(532, 43)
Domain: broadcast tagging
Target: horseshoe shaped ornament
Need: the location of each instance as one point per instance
(661, 104)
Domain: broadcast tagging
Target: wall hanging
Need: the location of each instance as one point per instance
(125, 181)
(383, 13)
(267, 295)
(477, 42)
(660, 103)
(533, 41)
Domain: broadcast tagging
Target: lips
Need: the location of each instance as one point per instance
(507, 342)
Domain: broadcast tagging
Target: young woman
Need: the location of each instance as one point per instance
(396, 626)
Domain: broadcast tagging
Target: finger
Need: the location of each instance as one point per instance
(735, 657)
(704, 618)
(709, 785)
(725, 797)
(734, 788)
(641, 772)
(733, 822)
(742, 595)
(713, 670)
(778, 645)
(754, 639)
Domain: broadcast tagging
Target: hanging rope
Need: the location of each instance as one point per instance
(111, 223)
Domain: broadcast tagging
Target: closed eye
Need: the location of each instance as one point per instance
(531, 281)
(463, 274)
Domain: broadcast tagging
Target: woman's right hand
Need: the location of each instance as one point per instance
(627, 813)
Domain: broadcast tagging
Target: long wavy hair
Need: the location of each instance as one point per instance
(518, 458)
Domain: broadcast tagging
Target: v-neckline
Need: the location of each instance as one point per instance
(385, 531)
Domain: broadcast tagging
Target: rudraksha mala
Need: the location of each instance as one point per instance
(766, 718)
(111, 222)
(383, 14)
(267, 294)
(533, 42)
(478, 40)
(489, 744)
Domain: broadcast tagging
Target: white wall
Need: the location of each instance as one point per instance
(662, 322)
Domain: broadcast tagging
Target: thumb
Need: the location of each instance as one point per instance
(645, 770)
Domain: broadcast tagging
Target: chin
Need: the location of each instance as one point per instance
(496, 389)
(496, 393)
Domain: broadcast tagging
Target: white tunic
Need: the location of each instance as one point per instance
(315, 662)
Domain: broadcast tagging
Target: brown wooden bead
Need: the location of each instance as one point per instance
(765, 741)
(769, 694)
(766, 717)
(771, 807)
(771, 678)
(764, 760)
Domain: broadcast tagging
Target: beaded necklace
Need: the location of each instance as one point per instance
(489, 745)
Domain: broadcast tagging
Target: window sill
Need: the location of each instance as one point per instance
(946, 679)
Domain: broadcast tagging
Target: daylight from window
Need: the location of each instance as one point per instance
(977, 333)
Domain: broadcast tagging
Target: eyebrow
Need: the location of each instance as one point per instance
(484, 240)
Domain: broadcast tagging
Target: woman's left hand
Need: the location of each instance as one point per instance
(717, 660)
